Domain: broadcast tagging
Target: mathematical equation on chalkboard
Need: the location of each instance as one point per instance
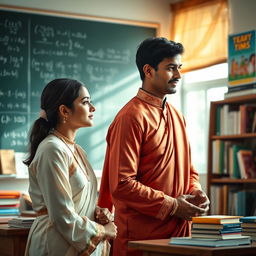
(51, 42)
(51, 52)
(36, 48)
(13, 129)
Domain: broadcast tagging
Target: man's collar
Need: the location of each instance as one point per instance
(151, 99)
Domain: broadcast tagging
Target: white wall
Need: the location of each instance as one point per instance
(157, 11)
(242, 15)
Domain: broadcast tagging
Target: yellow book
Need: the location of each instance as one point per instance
(216, 219)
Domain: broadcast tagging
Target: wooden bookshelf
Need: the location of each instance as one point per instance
(234, 137)
(225, 182)
(231, 181)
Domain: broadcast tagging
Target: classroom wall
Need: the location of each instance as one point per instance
(242, 15)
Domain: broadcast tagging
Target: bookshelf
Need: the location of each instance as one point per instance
(229, 191)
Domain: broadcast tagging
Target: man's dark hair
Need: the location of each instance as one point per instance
(153, 50)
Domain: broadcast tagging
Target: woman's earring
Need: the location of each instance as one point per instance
(64, 119)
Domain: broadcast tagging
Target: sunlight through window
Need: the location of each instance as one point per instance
(199, 89)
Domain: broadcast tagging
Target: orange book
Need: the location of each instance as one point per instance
(216, 219)
(9, 194)
(8, 197)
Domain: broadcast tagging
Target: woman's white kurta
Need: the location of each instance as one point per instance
(62, 181)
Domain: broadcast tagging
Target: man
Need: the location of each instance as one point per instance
(148, 175)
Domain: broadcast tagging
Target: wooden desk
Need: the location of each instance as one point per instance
(12, 240)
(162, 248)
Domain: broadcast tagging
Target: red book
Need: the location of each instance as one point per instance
(246, 164)
(9, 206)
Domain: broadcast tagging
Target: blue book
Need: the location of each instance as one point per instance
(231, 230)
(216, 226)
(243, 240)
(248, 219)
(216, 231)
(9, 211)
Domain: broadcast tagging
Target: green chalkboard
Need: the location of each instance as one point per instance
(37, 47)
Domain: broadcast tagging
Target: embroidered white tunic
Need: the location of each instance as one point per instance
(62, 181)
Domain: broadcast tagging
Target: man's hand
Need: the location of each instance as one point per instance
(103, 215)
(186, 209)
(110, 230)
(201, 200)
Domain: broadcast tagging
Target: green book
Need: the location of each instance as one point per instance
(217, 124)
(236, 148)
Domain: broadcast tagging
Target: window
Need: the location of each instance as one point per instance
(198, 89)
(202, 27)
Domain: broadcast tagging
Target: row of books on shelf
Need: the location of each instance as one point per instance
(240, 90)
(241, 202)
(235, 119)
(219, 231)
(233, 160)
(233, 201)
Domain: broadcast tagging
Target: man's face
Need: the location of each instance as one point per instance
(166, 77)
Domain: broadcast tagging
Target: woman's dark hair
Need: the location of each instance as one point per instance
(153, 50)
(57, 92)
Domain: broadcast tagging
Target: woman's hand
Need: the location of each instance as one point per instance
(103, 215)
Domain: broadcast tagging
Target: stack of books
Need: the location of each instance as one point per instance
(249, 226)
(21, 222)
(9, 205)
(214, 231)
(216, 226)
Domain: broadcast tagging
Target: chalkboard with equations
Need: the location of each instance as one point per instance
(37, 46)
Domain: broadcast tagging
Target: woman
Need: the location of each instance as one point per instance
(63, 186)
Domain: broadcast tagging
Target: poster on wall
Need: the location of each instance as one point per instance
(241, 59)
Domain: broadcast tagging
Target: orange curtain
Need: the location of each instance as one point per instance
(202, 27)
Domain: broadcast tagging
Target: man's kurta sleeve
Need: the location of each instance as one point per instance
(125, 139)
(52, 174)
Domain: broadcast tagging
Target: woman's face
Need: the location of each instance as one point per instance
(82, 113)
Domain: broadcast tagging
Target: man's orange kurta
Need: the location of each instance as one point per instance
(147, 165)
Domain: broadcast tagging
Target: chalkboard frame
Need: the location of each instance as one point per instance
(82, 16)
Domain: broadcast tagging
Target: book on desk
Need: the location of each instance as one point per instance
(21, 222)
(216, 219)
(243, 240)
(249, 226)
